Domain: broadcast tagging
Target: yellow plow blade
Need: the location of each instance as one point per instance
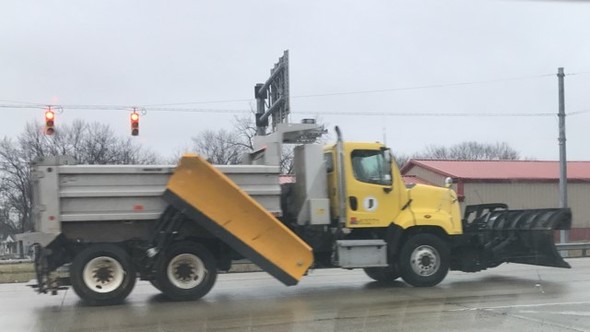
(210, 198)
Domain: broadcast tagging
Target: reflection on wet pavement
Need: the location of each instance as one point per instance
(511, 297)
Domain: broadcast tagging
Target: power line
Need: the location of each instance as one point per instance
(157, 108)
(237, 111)
(426, 114)
(578, 112)
(96, 107)
(23, 106)
(126, 108)
(578, 73)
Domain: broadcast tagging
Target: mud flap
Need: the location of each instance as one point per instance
(518, 236)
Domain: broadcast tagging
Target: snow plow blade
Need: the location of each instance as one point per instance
(208, 197)
(518, 236)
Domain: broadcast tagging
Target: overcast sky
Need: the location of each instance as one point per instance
(165, 52)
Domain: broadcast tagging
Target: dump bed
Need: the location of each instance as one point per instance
(76, 196)
(210, 198)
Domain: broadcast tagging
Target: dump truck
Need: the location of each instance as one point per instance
(178, 226)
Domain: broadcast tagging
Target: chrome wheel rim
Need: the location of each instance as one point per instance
(186, 271)
(103, 274)
(425, 261)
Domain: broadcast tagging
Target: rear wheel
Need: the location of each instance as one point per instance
(187, 271)
(102, 274)
(382, 274)
(424, 260)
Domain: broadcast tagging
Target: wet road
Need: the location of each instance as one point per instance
(508, 298)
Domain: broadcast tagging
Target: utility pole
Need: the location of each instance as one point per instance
(563, 234)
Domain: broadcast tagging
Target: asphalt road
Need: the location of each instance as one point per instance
(508, 298)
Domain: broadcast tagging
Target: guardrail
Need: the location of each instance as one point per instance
(573, 249)
(21, 270)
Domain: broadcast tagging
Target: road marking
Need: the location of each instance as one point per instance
(519, 306)
(544, 323)
(571, 313)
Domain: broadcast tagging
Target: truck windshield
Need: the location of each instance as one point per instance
(370, 166)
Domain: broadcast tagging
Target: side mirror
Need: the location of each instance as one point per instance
(387, 155)
(387, 160)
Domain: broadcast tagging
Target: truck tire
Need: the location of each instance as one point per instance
(186, 271)
(382, 274)
(102, 274)
(424, 260)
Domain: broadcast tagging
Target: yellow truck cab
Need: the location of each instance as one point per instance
(420, 227)
(376, 195)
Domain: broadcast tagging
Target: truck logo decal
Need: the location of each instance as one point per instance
(370, 203)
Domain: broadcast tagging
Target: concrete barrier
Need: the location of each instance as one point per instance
(22, 270)
(16, 271)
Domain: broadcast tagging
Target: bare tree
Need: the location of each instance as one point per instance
(88, 143)
(220, 147)
(401, 159)
(15, 184)
(245, 128)
(226, 147)
(470, 151)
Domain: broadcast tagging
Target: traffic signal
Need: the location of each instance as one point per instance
(49, 122)
(134, 124)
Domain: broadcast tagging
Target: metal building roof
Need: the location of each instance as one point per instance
(412, 179)
(503, 170)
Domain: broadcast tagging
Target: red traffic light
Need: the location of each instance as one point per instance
(134, 124)
(49, 122)
(49, 115)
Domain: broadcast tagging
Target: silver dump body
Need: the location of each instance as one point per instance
(115, 202)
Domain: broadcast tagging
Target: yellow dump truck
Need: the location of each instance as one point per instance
(177, 226)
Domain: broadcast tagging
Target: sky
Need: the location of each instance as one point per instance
(484, 57)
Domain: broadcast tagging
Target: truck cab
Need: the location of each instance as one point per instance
(375, 195)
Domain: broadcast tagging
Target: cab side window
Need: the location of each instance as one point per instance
(369, 166)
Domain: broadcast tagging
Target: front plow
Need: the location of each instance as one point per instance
(498, 235)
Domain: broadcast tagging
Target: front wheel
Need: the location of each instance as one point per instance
(424, 260)
(187, 271)
(102, 274)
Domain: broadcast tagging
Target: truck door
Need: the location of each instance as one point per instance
(371, 195)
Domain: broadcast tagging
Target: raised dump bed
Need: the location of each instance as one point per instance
(210, 198)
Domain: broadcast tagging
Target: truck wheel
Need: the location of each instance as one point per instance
(187, 271)
(382, 274)
(102, 274)
(424, 260)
